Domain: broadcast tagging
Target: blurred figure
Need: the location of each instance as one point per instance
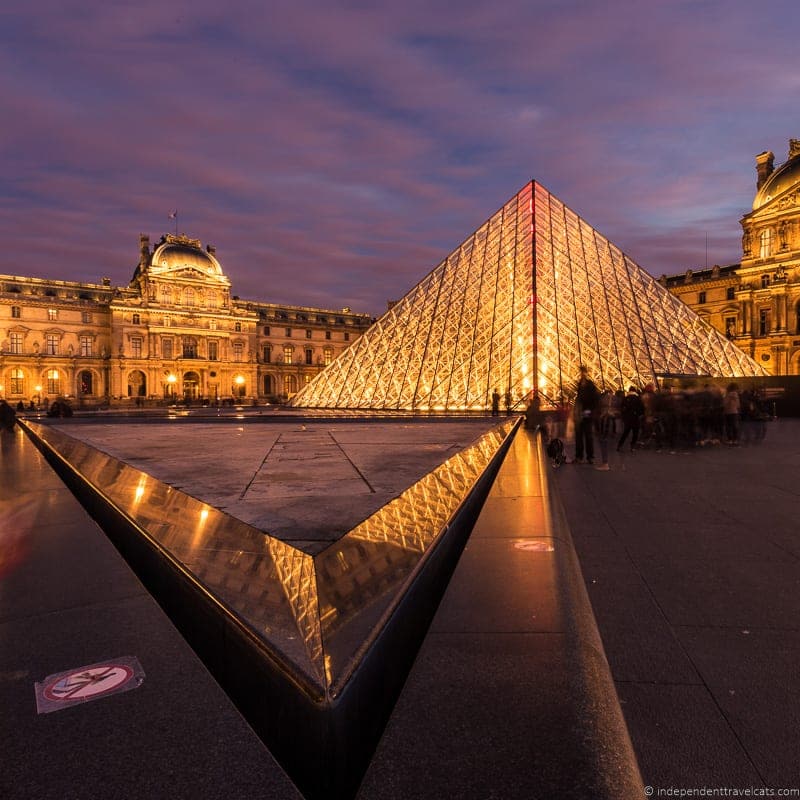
(731, 406)
(587, 403)
(632, 412)
(8, 417)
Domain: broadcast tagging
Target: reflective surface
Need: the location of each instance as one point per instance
(319, 612)
(534, 289)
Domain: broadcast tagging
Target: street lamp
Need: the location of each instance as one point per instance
(38, 394)
(171, 381)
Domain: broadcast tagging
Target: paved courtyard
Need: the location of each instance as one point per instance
(692, 563)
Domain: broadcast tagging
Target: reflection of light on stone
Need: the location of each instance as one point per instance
(138, 493)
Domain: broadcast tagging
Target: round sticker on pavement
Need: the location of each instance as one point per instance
(88, 683)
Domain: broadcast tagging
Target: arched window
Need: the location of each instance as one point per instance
(289, 384)
(765, 250)
(17, 381)
(269, 385)
(85, 382)
(137, 384)
(797, 315)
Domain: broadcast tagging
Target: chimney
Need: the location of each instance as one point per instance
(144, 248)
(764, 167)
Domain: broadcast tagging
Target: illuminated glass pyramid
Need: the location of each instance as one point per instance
(532, 295)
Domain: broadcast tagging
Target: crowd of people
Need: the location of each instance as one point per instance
(668, 419)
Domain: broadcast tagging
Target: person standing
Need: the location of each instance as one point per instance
(495, 403)
(731, 406)
(587, 401)
(632, 412)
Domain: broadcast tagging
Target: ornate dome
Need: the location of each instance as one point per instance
(781, 180)
(181, 252)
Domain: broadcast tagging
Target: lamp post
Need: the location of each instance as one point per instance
(239, 381)
(172, 379)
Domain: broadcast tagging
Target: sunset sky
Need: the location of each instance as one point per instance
(334, 153)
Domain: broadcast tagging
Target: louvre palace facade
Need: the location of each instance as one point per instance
(756, 303)
(175, 333)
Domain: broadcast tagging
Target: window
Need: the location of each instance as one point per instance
(52, 314)
(327, 334)
(730, 326)
(213, 350)
(189, 296)
(266, 330)
(85, 382)
(308, 334)
(51, 344)
(267, 355)
(289, 384)
(763, 322)
(53, 382)
(237, 327)
(766, 243)
(238, 351)
(86, 317)
(16, 344)
(136, 319)
(85, 345)
(347, 336)
(16, 312)
(136, 346)
(701, 297)
(165, 295)
(289, 333)
(287, 354)
(730, 293)
(212, 324)
(764, 281)
(190, 348)
(166, 348)
(327, 355)
(309, 355)
(17, 381)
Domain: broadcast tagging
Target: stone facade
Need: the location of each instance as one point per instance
(757, 302)
(174, 333)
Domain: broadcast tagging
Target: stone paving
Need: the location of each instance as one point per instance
(691, 560)
(692, 563)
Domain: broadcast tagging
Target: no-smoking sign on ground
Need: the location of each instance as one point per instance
(81, 684)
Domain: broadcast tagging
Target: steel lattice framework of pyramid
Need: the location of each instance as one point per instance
(535, 291)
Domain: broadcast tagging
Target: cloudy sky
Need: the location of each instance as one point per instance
(335, 152)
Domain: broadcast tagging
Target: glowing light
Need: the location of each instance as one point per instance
(239, 380)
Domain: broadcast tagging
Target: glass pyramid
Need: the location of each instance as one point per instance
(529, 297)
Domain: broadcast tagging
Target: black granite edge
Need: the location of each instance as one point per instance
(604, 737)
(365, 702)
